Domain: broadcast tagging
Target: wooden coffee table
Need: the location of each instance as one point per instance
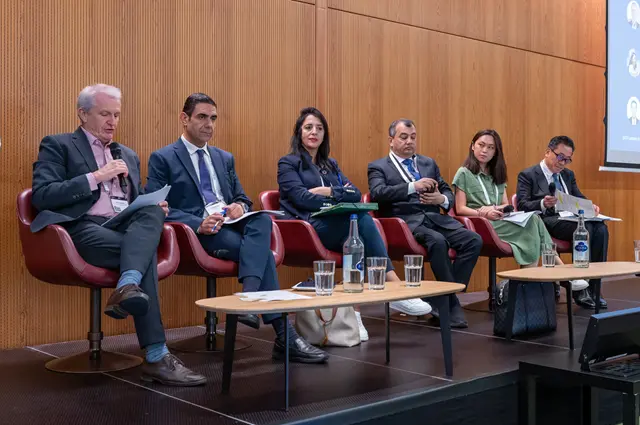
(563, 273)
(233, 306)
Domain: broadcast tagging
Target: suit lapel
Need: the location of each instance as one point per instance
(541, 180)
(218, 168)
(82, 144)
(395, 170)
(183, 155)
(422, 166)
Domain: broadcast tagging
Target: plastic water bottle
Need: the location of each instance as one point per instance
(353, 259)
(581, 243)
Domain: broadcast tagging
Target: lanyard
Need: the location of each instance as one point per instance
(406, 176)
(486, 194)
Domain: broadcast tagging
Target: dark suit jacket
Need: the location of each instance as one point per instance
(61, 191)
(172, 165)
(390, 191)
(533, 186)
(297, 174)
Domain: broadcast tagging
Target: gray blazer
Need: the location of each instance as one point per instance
(390, 191)
(61, 191)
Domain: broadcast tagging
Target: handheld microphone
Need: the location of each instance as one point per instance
(508, 209)
(116, 153)
(552, 189)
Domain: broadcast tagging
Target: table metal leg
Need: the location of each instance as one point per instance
(387, 326)
(526, 399)
(285, 318)
(445, 332)
(511, 308)
(630, 409)
(229, 346)
(570, 315)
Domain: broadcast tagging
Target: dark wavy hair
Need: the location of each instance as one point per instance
(322, 157)
(497, 167)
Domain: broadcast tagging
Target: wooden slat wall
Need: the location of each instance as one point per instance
(530, 69)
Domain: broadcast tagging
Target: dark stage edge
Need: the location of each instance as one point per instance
(354, 387)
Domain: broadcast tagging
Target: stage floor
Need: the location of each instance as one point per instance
(355, 385)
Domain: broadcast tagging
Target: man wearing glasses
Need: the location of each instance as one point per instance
(534, 194)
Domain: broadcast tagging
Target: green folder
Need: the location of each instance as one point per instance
(346, 208)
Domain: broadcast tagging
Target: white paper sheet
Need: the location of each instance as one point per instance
(568, 216)
(572, 204)
(520, 218)
(265, 296)
(148, 199)
(227, 220)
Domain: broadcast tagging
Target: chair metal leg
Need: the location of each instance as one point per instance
(211, 341)
(95, 360)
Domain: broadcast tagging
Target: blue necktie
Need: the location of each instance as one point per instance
(556, 180)
(409, 163)
(205, 179)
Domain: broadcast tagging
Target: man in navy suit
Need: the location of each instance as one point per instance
(410, 186)
(78, 184)
(204, 186)
(534, 195)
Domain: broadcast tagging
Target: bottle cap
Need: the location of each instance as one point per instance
(354, 216)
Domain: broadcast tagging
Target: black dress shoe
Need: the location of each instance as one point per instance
(251, 320)
(457, 319)
(299, 351)
(127, 300)
(603, 302)
(171, 371)
(584, 300)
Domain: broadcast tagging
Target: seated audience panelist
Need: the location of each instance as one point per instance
(81, 180)
(204, 186)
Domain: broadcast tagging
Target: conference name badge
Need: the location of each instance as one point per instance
(119, 204)
(214, 207)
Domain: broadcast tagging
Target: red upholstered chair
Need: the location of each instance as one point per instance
(50, 256)
(195, 261)
(563, 247)
(400, 239)
(301, 242)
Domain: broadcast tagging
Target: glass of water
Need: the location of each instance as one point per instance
(413, 269)
(377, 270)
(548, 253)
(323, 272)
(636, 249)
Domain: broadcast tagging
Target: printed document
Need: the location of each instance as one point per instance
(148, 199)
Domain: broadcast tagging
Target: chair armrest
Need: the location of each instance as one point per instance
(400, 239)
(194, 260)
(168, 253)
(562, 247)
(382, 233)
(492, 245)
(277, 244)
(302, 245)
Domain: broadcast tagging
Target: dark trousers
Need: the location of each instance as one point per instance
(132, 245)
(438, 240)
(248, 243)
(598, 238)
(333, 230)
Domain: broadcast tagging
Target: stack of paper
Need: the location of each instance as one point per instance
(569, 216)
(520, 218)
(278, 295)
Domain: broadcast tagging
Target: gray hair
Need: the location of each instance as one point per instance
(86, 98)
(392, 127)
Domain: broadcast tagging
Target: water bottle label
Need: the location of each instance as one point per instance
(580, 251)
(360, 265)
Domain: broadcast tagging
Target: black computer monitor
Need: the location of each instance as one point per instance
(612, 334)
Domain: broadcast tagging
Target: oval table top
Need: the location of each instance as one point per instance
(394, 291)
(569, 272)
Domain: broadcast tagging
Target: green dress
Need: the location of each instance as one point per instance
(524, 241)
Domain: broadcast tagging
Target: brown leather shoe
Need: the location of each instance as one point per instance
(127, 300)
(171, 371)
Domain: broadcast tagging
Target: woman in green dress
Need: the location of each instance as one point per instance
(480, 188)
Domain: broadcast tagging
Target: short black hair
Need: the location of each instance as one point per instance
(561, 140)
(193, 100)
(392, 128)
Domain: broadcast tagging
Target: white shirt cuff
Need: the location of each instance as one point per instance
(445, 204)
(412, 188)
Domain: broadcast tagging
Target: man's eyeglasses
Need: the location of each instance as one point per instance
(562, 157)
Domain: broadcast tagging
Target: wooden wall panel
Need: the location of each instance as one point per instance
(572, 29)
(452, 87)
(255, 58)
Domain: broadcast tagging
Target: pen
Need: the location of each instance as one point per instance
(224, 213)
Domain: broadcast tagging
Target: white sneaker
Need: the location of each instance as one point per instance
(579, 285)
(414, 307)
(364, 335)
